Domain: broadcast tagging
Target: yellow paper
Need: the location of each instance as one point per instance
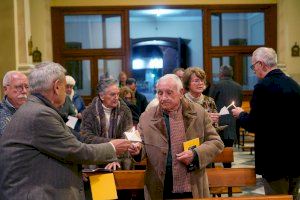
(190, 144)
(103, 186)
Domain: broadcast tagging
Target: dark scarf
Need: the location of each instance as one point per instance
(50, 105)
(113, 120)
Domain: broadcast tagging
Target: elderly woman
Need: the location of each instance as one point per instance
(107, 117)
(194, 82)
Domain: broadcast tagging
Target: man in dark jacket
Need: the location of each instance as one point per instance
(141, 100)
(224, 93)
(274, 102)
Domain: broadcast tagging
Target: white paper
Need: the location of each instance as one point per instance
(224, 111)
(133, 135)
(72, 121)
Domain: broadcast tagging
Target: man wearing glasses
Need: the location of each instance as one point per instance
(15, 85)
(275, 101)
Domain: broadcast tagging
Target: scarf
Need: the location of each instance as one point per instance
(113, 120)
(181, 178)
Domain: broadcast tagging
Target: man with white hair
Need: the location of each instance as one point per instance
(272, 118)
(164, 128)
(40, 157)
(15, 85)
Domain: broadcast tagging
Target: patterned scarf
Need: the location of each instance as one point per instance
(181, 178)
(113, 120)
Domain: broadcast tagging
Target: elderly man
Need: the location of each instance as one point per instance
(274, 102)
(15, 85)
(164, 128)
(40, 157)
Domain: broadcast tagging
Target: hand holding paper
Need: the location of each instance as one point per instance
(133, 135)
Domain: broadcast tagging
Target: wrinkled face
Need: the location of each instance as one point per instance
(197, 85)
(17, 90)
(258, 68)
(110, 97)
(69, 89)
(168, 95)
(61, 92)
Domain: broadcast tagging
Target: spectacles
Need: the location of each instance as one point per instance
(252, 66)
(19, 88)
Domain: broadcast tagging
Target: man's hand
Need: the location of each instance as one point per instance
(236, 111)
(121, 145)
(113, 166)
(185, 157)
(135, 148)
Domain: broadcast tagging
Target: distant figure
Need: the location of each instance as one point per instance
(179, 72)
(40, 157)
(128, 97)
(15, 86)
(141, 100)
(76, 100)
(273, 106)
(224, 93)
(122, 79)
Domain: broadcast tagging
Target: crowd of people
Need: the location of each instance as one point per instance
(41, 157)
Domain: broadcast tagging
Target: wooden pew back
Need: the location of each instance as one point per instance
(262, 197)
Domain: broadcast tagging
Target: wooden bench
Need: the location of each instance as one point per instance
(217, 177)
(226, 156)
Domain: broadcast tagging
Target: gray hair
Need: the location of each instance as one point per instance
(226, 71)
(8, 76)
(43, 75)
(105, 83)
(266, 55)
(173, 77)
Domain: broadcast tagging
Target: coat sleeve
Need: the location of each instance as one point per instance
(88, 130)
(53, 138)
(212, 144)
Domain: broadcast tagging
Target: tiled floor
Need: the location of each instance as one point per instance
(245, 159)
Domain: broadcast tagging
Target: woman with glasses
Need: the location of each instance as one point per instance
(194, 82)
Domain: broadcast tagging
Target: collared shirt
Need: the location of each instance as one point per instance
(6, 112)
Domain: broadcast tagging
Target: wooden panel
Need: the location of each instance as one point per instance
(231, 177)
(226, 156)
(129, 179)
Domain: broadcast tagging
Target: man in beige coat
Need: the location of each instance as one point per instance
(40, 157)
(164, 128)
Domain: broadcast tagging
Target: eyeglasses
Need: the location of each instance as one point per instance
(252, 66)
(19, 88)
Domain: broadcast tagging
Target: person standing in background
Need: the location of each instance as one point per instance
(224, 93)
(141, 100)
(122, 79)
(273, 106)
(15, 85)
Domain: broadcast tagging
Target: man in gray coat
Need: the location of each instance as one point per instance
(40, 157)
(224, 93)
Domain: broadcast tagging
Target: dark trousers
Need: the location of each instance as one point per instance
(228, 143)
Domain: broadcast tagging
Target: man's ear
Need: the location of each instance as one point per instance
(5, 90)
(181, 92)
(56, 86)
